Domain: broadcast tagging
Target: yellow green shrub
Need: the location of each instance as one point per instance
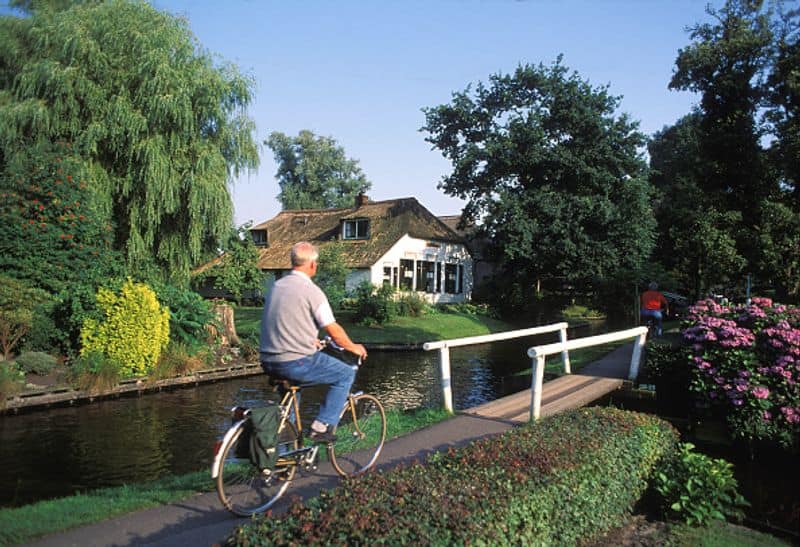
(134, 329)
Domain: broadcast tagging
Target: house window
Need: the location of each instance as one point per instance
(452, 278)
(259, 237)
(355, 229)
(438, 277)
(406, 275)
(426, 270)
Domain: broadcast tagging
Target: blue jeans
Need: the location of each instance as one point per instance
(320, 368)
(655, 315)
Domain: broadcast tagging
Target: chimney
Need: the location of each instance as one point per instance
(361, 199)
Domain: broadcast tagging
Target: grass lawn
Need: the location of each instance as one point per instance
(401, 330)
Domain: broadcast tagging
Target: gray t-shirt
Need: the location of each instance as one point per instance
(295, 309)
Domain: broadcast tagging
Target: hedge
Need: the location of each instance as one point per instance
(562, 480)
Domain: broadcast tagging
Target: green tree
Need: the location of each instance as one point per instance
(706, 254)
(552, 171)
(236, 270)
(676, 171)
(159, 126)
(725, 63)
(332, 273)
(784, 112)
(51, 232)
(314, 173)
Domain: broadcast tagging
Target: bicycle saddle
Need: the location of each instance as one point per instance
(282, 382)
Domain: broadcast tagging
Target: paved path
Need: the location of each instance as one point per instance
(201, 520)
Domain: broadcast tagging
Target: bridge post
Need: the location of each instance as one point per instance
(636, 356)
(444, 368)
(562, 334)
(537, 379)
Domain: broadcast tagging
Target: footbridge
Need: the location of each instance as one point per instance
(563, 393)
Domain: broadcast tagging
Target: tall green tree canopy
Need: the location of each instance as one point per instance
(725, 63)
(730, 168)
(314, 173)
(159, 124)
(552, 172)
(784, 94)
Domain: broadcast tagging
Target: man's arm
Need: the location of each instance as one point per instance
(339, 336)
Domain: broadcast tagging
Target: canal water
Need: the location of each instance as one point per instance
(61, 451)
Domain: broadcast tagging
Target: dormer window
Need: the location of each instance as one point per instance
(355, 229)
(259, 237)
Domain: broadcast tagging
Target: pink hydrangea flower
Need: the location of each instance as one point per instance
(760, 392)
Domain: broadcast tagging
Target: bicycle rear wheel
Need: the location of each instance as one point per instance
(243, 488)
(359, 436)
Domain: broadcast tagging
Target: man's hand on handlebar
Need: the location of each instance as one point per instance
(356, 349)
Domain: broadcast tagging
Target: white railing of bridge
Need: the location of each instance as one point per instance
(444, 351)
(538, 354)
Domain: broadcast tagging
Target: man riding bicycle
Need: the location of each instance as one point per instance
(652, 301)
(295, 309)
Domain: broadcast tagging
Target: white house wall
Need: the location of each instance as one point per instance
(410, 248)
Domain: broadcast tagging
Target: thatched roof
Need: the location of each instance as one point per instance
(389, 221)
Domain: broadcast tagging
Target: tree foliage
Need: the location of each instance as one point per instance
(725, 63)
(236, 271)
(314, 173)
(332, 273)
(552, 172)
(51, 232)
(159, 126)
(784, 94)
(730, 167)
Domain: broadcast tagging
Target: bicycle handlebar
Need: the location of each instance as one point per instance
(329, 342)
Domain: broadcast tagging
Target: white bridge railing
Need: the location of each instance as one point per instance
(444, 351)
(538, 354)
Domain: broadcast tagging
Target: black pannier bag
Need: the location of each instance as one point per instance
(264, 423)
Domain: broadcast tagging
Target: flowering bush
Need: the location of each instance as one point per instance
(746, 361)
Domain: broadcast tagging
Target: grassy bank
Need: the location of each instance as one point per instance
(23, 524)
(401, 330)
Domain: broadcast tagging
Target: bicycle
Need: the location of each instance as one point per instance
(244, 489)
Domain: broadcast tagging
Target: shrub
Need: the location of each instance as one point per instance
(665, 366)
(332, 273)
(134, 331)
(45, 335)
(745, 361)
(250, 349)
(12, 381)
(179, 359)
(562, 480)
(374, 304)
(189, 313)
(412, 305)
(470, 308)
(697, 489)
(36, 362)
(18, 299)
(54, 233)
(94, 372)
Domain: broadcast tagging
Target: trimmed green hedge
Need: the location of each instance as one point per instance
(562, 480)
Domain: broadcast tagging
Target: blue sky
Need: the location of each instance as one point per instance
(360, 72)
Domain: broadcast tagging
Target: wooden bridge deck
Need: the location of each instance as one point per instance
(566, 392)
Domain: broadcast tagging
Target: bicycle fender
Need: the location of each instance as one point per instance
(217, 464)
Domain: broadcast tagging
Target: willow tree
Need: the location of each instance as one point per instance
(159, 123)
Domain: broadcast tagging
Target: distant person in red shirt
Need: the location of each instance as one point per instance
(652, 303)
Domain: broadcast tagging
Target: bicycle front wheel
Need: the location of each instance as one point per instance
(359, 436)
(243, 488)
